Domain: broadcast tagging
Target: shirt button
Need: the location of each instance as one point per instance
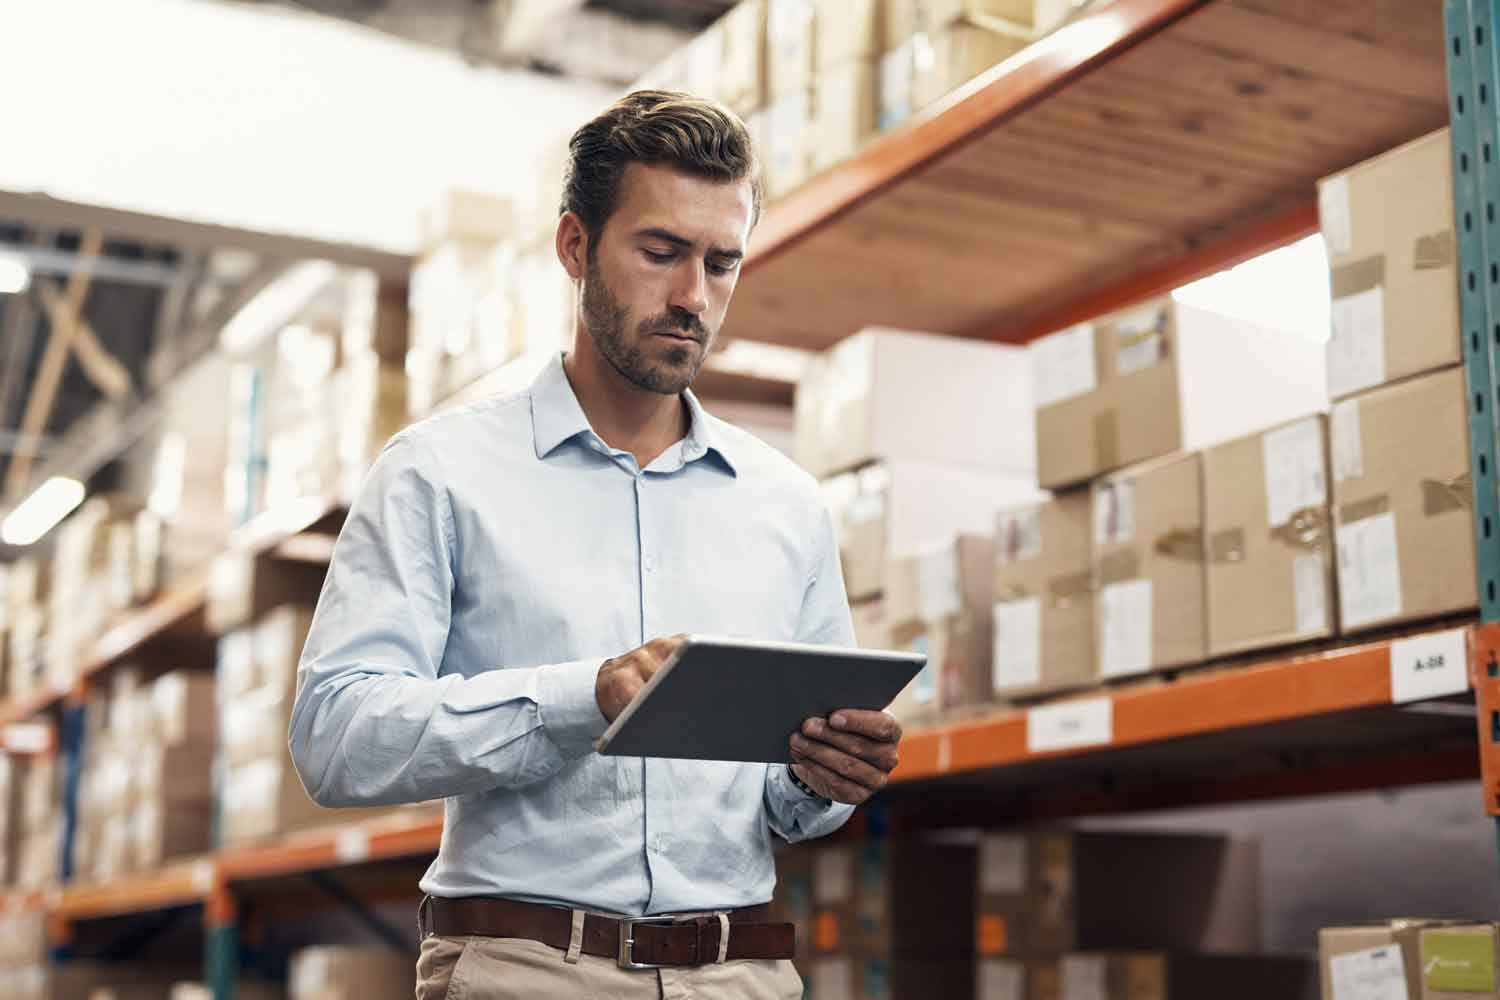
(650, 564)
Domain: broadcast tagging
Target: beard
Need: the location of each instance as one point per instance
(638, 357)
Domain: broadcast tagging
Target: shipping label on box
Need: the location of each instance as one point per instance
(1388, 226)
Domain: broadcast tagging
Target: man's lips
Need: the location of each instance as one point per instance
(680, 338)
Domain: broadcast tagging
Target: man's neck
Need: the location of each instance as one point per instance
(625, 416)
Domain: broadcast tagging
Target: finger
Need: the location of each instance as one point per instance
(877, 752)
(876, 725)
(838, 788)
(846, 766)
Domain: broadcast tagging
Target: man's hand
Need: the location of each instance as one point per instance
(847, 757)
(622, 678)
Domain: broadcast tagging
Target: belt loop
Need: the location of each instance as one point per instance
(575, 941)
(723, 938)
(424, 918)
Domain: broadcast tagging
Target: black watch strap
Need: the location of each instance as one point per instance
(803, 786)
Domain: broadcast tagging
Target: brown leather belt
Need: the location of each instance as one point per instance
(634, 942)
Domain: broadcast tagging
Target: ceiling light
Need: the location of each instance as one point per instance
(15, 276)
(40, 513)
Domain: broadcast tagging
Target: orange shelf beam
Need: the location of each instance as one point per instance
(1342, 680)
(179, 884)
(382, 839)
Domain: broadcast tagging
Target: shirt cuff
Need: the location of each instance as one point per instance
(569, 706)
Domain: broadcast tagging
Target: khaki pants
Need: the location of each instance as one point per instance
(485, 968)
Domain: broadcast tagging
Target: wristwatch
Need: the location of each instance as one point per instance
(803, 786)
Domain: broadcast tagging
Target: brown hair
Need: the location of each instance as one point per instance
(653, 126)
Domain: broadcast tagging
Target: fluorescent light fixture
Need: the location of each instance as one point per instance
(40, 513)
(15, 276)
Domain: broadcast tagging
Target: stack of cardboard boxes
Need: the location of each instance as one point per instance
(891, 918)
(38, 838)
(897, 425)
(82, 592)
(459, 323)
(1033, 916)
(146, 796)
(23, 952)
(26, 619)
(1415, 959)
(1401, 485)
(260, 794)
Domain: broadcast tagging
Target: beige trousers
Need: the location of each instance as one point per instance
(486, 968)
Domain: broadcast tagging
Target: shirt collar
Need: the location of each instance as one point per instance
(556, 417)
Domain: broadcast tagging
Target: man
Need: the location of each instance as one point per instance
(502, 588)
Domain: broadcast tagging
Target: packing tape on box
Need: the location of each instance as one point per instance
(1307, 528)
(1361, 509)
(1106, 440)
(1063, 590)
(1120, 566)
(1181, 543)
(1357, 276)
(1435, 252)
(1227, 546)
(1443, 497)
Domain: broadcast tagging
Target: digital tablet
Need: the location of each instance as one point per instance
(741, 700)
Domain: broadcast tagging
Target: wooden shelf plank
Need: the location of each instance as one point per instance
(1148, 143)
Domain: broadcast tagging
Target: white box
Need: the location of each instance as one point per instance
(893, 394)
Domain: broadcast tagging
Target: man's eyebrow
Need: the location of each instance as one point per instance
(682, 242)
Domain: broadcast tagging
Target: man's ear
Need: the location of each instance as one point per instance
(572, 245)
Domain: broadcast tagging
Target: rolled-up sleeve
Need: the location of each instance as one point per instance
(373, 722)
(825, 621)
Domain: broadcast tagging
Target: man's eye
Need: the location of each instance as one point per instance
(657, 257)
(717, 268)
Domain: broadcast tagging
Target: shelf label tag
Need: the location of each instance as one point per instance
(1372, 974)
(1085, 723)
(352, 846)
(1429, 666)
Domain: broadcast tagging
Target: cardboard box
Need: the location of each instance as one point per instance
(1150, 609)
(1269, 538)
(849, 31)
(174, 774)
(871, 630)
(703, 57)
(181, 708)
(791, 49)
(466, 215)
(1402, 502)
(1047, 893)
(264, 798)
(786, 157)
(374, 407)
(1393, 260)
(909, 506)
(1044, 596)
(161, 831)
(337, 973)
(263, 655)
(894, 898)
(742, 79)
(40, 792)
(1018, 979)
(254, 725)
(1160, 378)
(867, 977)
(846, 99)
(887, 393)
(957, 674)
(1387, 953)
(244, 587)
(905, 18)
(957, 54)
(1460, 963)
(1157, 976)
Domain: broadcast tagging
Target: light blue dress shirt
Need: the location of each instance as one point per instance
(495, 557)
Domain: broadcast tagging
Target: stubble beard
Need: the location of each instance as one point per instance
(606, 318)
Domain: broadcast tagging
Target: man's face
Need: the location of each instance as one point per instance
(659, 279)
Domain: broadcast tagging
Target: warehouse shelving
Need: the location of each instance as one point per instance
(1146, 144)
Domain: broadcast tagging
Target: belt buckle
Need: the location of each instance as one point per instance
(626, 956)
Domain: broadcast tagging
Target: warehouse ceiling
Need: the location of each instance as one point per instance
(603, 41)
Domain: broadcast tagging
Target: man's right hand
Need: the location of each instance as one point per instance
(622, 678)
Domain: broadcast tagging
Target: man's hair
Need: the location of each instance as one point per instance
(677, 130)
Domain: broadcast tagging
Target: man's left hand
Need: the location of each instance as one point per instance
(847, 757)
